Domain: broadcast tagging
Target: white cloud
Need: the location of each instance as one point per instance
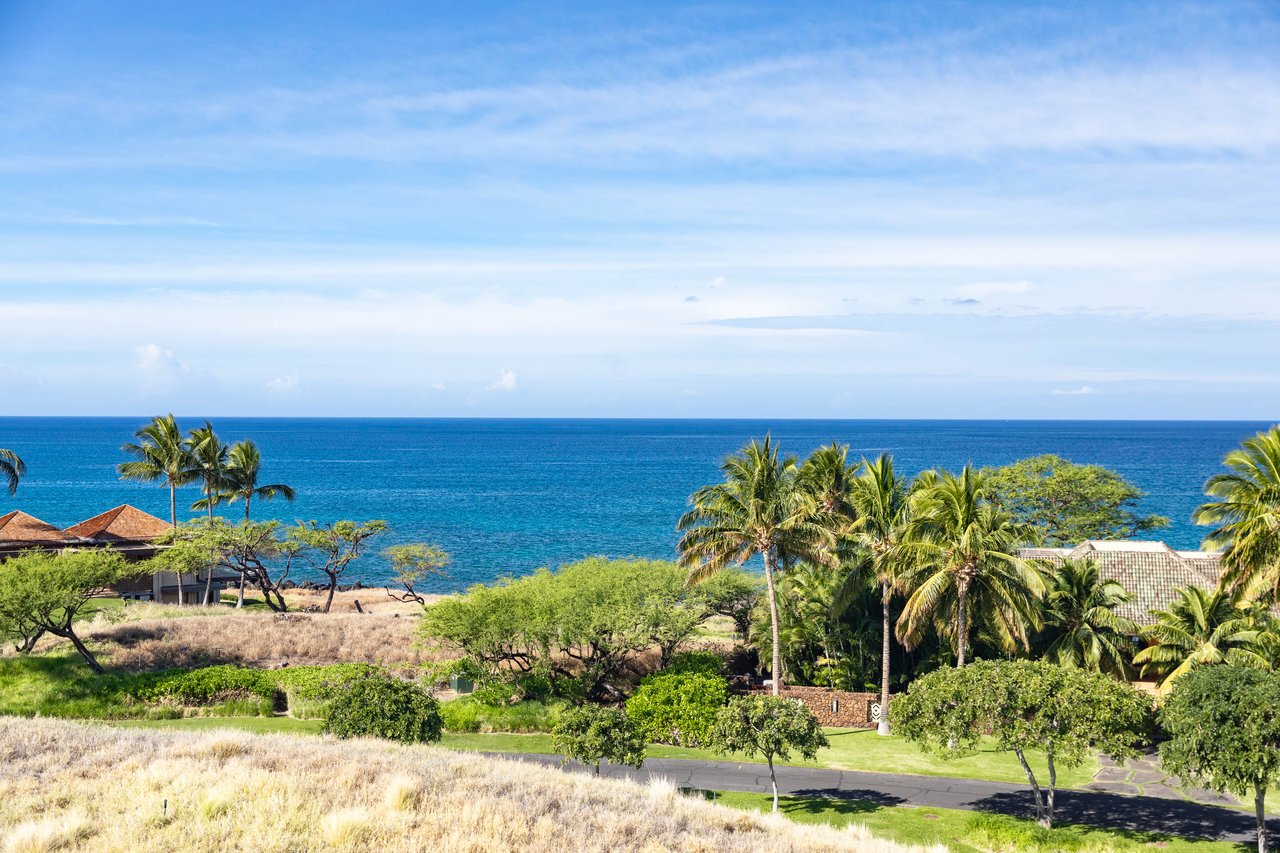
(987, 289)
(159, 371)
(283, 384)
(718, 281)
(507, 381)
(1082, 391)
(437, 386)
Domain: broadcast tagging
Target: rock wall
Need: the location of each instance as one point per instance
(841, 708)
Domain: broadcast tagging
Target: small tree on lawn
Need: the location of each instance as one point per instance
(591, 734)
(768, 727)
(413, 564)
(1224, 732)
(330, 548)
(44, 593)
(1024, 705)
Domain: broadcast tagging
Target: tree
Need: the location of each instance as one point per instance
(1023, 705)
(591, 734)
(12, 469)
(1201, 627)
(1082, 628)
(768, 727)
(733, 593)
(678, 708)
(414, 563)
(959, 559)
(880, 502)
(1246, 515)
(160, 454)
(385, 707)
(331, 548)
(761, 509)
(240, 479)
(45, 592)
(1068, 503)
(1224, 733)
(210, 457)
(252, 549)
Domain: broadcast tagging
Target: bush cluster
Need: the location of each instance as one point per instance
(468, 714)
(391, 708)
(678, 708)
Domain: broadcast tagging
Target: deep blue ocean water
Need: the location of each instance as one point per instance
(508, 496)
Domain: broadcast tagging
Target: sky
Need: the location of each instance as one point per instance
(851, 210)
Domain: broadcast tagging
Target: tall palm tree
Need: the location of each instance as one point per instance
(760, 509)
(240, 478)
(828, 476)
(960, 560)
(1080, 617)
(1200, 627)
(879, 498)
(12, 469)
(1247, 515)
(210, 456)
(160, 454)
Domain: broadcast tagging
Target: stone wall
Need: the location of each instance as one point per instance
(840, 708)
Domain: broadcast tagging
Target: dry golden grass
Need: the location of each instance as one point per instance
(259, 639)
(90, 787)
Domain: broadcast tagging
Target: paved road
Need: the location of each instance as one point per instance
(1113, 811)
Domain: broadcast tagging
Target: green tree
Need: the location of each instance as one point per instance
(1081, 626)
(678, 708)
(734, 593)
(880, 501)
(959, 558)
(1246, 515)
(210, 457)
(1023, 705)
(161, 455)
(769, 727)
(828, 476)
(12, 469)
(240, 479)
(591, 734)
(1200, 627)
(761, 509)
(1224, 733)
(330, 548)
(45, 592)
(414, 563)
(385, 707)
(1068, 503)
(252, 549)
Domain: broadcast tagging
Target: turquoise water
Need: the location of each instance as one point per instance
(508, 496)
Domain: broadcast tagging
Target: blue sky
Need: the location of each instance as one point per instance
(712, 210)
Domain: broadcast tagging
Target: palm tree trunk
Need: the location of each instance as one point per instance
(173, 521)
(962, 628)
(208, 572)
(882, 728)
(773, 620)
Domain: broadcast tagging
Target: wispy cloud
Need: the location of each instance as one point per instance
(506, 382)
(1082, 391)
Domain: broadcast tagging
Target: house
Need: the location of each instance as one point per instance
(1149, 571)
(125, 529)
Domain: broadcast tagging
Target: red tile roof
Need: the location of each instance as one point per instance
(122, 524)
(18, 528)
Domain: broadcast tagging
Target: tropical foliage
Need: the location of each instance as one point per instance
(1200, 627)
(1082, 629)
(12, 469)
(592, 734)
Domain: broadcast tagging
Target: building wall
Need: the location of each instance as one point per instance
(839, 708)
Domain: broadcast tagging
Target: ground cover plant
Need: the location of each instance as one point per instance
(99, 788)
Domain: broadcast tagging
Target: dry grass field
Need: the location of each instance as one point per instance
(70, 786)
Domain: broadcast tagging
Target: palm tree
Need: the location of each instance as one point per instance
(210, 456)
(880, 505)
(12, 469)
(960, 560)
(240, 478)
(1080, 616)
(1247, 515)
(1200, 627)
(828, 476)
(760, 509)
(161, 455)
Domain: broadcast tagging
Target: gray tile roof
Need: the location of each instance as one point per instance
(1149, 571)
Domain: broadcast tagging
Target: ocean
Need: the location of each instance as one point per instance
(508, 496)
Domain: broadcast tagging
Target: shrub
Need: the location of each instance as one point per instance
(703, 663)
(377, 706)
(678, 708)
(592, 734)
(206, 685)
(770, 727)
(466, 714)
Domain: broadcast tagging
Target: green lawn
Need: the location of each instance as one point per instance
(967, 832)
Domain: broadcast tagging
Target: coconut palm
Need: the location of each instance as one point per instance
(1247, 515)
(879, 499)
(1200, 627)
(828, 476)
(1081, 621)
(210, 456)
(240, 479)
(961, 565)
(161, 455)
(760, 509)
(12, 469)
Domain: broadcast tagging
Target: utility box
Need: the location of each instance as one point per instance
(461, 684)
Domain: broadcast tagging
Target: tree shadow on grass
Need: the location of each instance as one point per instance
(827, 801)
(1143, 819)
